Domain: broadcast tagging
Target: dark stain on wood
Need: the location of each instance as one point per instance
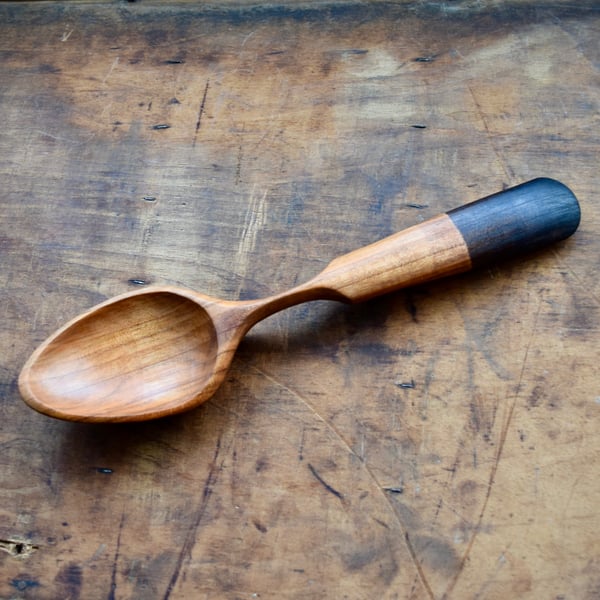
(24, 583)
(259, 526)
(436, 553)
(69, 581)
(536, 397)
(262, 464)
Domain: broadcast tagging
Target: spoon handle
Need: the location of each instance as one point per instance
(515, 221)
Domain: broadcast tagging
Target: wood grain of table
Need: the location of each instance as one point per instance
(440, 442)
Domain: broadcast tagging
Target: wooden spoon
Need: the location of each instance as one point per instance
(164, 350)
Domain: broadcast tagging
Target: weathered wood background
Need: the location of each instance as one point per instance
(436, 443)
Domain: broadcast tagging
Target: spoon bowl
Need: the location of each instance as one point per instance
(118, 360)
(164, 350)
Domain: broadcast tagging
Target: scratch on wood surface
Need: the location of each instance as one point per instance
(508, 172)
(60, 138)
(113, 66)
(494, 469)
(246, 38)
(148, 223)
(190, 539)
(97, 553)
(238, 166)
(256, 217)
(67, 34)
(201, 111)
(565, 511)
(327, 486)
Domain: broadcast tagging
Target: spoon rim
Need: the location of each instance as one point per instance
(226, 344)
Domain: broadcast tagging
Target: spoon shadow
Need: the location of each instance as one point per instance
(318, 327)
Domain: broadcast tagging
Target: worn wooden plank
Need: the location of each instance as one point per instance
(434, 443)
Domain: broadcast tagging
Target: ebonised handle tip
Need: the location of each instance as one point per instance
(518, 220)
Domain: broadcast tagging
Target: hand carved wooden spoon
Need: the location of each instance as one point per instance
(164, 350)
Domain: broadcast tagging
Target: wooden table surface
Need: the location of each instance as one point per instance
(438, 443)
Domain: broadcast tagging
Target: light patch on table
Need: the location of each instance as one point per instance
(256, 214)
(374, 63)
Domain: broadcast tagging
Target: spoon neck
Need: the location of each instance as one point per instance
(257, 310)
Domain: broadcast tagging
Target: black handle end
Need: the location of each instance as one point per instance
(518, 220)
